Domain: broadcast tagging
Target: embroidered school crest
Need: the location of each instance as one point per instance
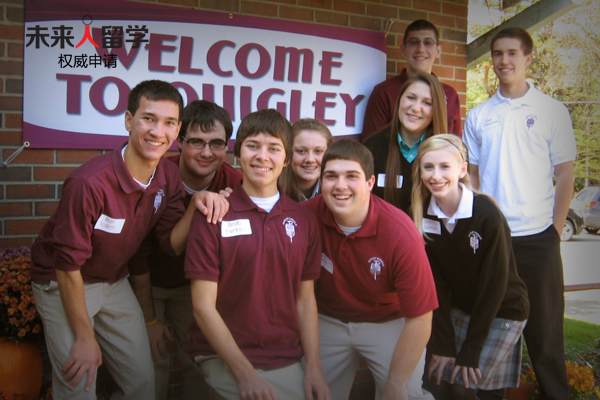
(531, 120)
(376, 264)
(290, 229)
(474, 239)
(158, 200)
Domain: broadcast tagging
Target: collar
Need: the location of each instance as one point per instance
(465, 207)
(126, 181)
(528, 98)
(369, 225)
(239, 201)
(410, 152)
(314, 192)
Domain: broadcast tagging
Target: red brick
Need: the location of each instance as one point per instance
(221, 5)
(8, 138)
(447, 47)
(460, 74)
(332, 18)
(283, 1)
(411, 15)
(454, 35)
(399, 28)
(2, 192)
(14, 209)
(391, 40)
(353, 7)
(296, 13)
(51, 173)
(16, 241)
(76, 156)
(455, 9)
(2, 48)
(11, 32)
(253, 7)
(189, 3)
(460, 87)
(462, 23)
(11, 103)
(45, 208)
(15, 50)
(394, 53)
(24, 226)
(14, 121)
(374, 24)
(429, 5)
(443, 72)
(400, 67)
(323, 4)
(401, 3)
(30, 156)
(30, 191)
(377, 10)
(456, 61)
(439, 20)
(461, 49)
(390, 67)
(15, 14)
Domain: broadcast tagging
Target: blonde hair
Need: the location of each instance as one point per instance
(287, 179)
(420, 194)
(439, 124)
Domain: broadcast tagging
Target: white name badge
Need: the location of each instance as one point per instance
(431, 226)
(326, 263)
(381, 180)
(235, 228)
(110, 225)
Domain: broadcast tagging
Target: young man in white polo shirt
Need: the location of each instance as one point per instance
(519, 140)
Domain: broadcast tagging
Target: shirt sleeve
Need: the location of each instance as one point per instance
(202, 256)
(470, 138)
(563, 147)
(454, 120)
(171, 216)
(377, 114)
(138, 264)
(78, 211)
(312, 263)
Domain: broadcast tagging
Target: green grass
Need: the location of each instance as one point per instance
(582, 341)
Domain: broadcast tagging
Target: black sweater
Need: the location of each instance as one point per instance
(482, 282)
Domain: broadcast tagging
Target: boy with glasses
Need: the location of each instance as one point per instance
(421, 48)
(157, 279)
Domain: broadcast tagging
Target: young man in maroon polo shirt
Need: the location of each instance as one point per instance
(157, 279)
(253, 279)
(107, 207)
(421, 47)
(376, 292)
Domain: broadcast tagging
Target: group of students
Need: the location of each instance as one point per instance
(278, 279)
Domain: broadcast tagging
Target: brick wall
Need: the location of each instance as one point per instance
(30, 185)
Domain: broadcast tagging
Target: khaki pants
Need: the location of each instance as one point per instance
(342, 345)
(288, 382)
(118, 322)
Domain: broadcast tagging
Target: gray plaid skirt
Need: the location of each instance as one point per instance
(500, 360)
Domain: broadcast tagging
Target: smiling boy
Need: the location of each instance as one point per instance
(519, 141)
(376, 293)
(421, 48)
(253, 279)
(108, 205)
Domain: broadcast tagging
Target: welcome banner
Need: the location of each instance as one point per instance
(82, 57)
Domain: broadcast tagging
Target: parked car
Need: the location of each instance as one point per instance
(587, 202)
(573, 225)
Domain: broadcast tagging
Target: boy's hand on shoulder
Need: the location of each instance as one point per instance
(213, 205)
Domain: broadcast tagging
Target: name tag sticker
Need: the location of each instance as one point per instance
(326, 263)
(235, 228)
(489, 123)
(431, 226)
(110, 225)
(381, 180)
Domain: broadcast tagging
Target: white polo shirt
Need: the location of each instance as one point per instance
(516, 143)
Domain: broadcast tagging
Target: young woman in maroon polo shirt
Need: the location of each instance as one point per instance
(475, 348)
(300, 179)
(420, 112)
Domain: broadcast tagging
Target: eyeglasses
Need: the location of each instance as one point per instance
(428, 43)
(216, 144)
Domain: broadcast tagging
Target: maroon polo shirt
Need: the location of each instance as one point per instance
(103, 216)
(380, 108)
(376, 274)
(258, 275)
(166, 271)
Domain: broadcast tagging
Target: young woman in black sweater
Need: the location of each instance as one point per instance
(474, 348)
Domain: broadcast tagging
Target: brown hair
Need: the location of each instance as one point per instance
(439, 124)
(153, 90)
(268, 121)
(420, 194)
(287, 179)
(203, 114)
(515, 33)
(351, 150)
(421, 25)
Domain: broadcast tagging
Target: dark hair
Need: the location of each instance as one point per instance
(439, 124)
(153, 90)
(287, 180)
(203, 114)
(515, 33)
(351, 150)
(421, 25)
(268, 121)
